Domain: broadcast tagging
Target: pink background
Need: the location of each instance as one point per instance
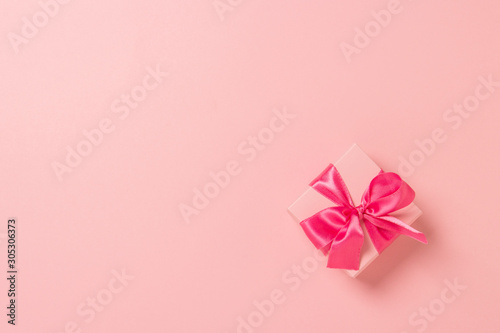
(119, 209)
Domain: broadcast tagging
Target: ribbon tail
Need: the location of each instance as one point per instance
(383, 229)
(345, 250)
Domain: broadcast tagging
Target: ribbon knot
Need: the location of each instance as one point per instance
(337, 230)
(360, 209)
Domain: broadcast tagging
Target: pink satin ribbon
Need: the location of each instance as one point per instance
(337, 230)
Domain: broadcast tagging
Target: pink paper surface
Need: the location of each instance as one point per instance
(421, 95)
(357, 171)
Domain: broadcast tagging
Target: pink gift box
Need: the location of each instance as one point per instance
(357, 170)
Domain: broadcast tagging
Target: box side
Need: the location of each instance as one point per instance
(357, 170)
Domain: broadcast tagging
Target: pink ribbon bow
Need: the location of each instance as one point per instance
(337, 230)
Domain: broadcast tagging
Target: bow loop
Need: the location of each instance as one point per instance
(387, 193)
(330, 184)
